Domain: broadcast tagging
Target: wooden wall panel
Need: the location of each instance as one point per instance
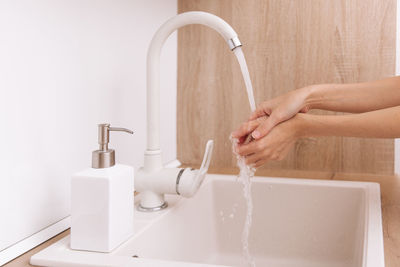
(287, 44)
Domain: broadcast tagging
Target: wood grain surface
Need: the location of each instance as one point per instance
(288, 45)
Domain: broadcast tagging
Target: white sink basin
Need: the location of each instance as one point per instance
(296, 223)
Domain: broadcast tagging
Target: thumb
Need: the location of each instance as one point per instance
(245, 129)
(264, 128)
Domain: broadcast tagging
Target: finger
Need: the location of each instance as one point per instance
(260, 112)
(305, 109)
(262, 119)
(253, 158)
(248, 138)
(264, 128)
(242, 139)
(247, 149)
(245, 129)
(260, 163)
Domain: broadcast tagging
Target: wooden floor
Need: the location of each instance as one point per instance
(390, 195)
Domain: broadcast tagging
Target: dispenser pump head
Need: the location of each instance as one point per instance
(105, 157)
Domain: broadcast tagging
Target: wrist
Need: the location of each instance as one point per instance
(303, 125)
(312, 96)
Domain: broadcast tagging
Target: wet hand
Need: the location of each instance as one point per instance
(274, 146)
(247, 128)
(280, 109)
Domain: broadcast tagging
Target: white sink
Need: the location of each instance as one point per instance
(296, 223)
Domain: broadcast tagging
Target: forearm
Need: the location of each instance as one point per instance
(355, 97)
(384, 123)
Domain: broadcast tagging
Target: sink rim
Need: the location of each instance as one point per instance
(373, 254)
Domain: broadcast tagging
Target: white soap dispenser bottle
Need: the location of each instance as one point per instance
(102, 200)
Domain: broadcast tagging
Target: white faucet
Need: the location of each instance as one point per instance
(154, 180)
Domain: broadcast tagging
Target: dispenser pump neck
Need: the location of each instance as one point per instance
(105, 157)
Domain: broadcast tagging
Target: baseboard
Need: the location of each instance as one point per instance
(34, 240)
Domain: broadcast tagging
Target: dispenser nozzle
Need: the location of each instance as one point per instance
(105, 157)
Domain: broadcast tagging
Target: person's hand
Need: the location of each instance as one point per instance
(278, 109)
(274, 146)
(246, 128)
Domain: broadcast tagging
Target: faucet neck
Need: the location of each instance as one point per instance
(153, 68)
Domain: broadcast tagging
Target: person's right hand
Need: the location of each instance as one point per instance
(279, 109)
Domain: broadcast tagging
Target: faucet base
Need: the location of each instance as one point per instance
(144, 209)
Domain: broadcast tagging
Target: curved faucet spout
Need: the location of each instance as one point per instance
(153, 160)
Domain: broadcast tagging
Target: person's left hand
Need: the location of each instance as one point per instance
(274, 146)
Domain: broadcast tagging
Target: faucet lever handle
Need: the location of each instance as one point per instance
(206, 158)
(191, 180)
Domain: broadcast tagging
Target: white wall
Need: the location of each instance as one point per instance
(66, 65)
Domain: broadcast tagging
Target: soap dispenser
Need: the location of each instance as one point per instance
(102, 200)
